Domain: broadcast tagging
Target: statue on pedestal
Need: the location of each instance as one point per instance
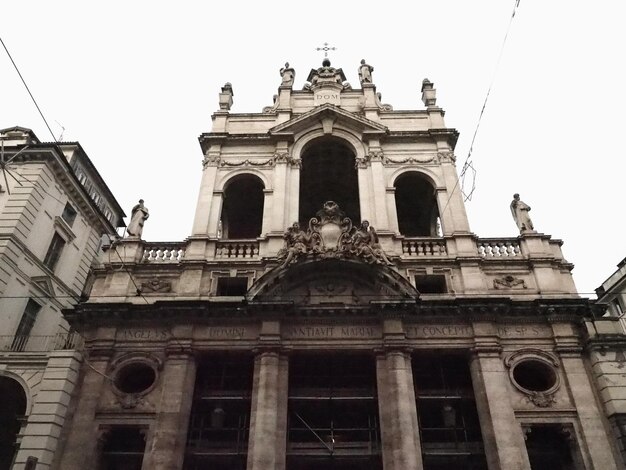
(138, 216)
(288, 75)
(365, 72)
(520, 210)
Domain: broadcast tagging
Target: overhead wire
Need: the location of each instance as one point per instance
(468, 163)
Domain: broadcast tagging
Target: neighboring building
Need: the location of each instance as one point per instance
(607, 351)
(54, 210)
(285, 333)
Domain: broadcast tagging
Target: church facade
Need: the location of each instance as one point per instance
(333, 310)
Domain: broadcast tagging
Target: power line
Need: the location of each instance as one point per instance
(28, 90)
(468, 164)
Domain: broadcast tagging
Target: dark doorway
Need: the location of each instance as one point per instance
(12, 410)
(328, 174)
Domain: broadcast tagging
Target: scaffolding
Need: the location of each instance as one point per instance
(448, 420)
(333, 413)
(220, 417)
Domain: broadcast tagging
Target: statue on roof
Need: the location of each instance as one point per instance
(365, 72)
(288, 75)
(138, 216)
(520, 210)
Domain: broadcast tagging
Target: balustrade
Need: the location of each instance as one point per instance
(424, 247)
(238, 249)
(499, 248)
(164, 252)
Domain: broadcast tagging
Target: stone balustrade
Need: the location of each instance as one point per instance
(418, 247)
(163, 252)
(236, 249)
(40, 343)
(499, 248)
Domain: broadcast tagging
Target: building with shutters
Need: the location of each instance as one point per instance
(54, 210)
(332, 309)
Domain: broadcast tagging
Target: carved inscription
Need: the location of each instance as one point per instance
(152, 334)
(323, 96)
(438, 331)
(523, 331)
(227, 332)
(330, 332)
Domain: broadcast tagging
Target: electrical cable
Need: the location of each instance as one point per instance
(468, 164)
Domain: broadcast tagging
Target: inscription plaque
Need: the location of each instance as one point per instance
(332, 332)
(438, 331)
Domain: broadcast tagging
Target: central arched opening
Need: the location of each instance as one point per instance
(242, 212)
(12, 411)
(328, 174)
(416, 206)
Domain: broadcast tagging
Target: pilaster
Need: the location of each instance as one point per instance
(503, 437)
(166, 448)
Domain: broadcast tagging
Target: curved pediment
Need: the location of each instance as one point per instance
(331, 281)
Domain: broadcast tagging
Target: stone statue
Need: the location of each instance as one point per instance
(296, 244)
(138, 216)
(520, 214)
(365, 245)
(288, 74)
(365, 72)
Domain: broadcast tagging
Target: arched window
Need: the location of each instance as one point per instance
(328, 174)
(242, 211)
(12, 410)
(416, 206)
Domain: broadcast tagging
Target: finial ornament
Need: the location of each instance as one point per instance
(325, 49)
(520, 210)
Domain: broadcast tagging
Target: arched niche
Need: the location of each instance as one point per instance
(12, 411)
(416, 205)
(242, 208)
(328, 174)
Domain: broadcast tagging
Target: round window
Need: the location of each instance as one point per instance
(135, 377)
(535, 375)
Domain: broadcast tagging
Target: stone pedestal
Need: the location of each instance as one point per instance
(503, 437)
(398, 414)
(166, 447)
(268, 417)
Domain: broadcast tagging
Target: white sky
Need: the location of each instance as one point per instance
(136, 83)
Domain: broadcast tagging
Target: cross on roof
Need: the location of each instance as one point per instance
(325, 49)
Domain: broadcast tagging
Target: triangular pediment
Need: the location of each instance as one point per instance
(329, 115)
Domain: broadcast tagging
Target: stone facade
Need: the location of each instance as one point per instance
(54, 209)
(286, 333)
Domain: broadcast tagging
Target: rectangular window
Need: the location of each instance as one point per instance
(123, 448)
(26, 325)
(54, 251)
(69, 214)
(431, 283)
(232, 286)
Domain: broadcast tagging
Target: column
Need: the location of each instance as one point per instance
(168, 437)
(268, 417)
(503, 437)
(398, 413)
(80, 450)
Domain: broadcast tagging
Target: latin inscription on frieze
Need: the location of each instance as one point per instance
(226, 332)
(332, 332)
(438, 331)
(524, 331)
(327, 96)
(143, 334)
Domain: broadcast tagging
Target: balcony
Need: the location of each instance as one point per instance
(40, 343)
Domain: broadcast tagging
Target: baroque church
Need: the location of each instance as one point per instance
(332, 309)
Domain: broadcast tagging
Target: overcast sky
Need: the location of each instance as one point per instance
(136, 83)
